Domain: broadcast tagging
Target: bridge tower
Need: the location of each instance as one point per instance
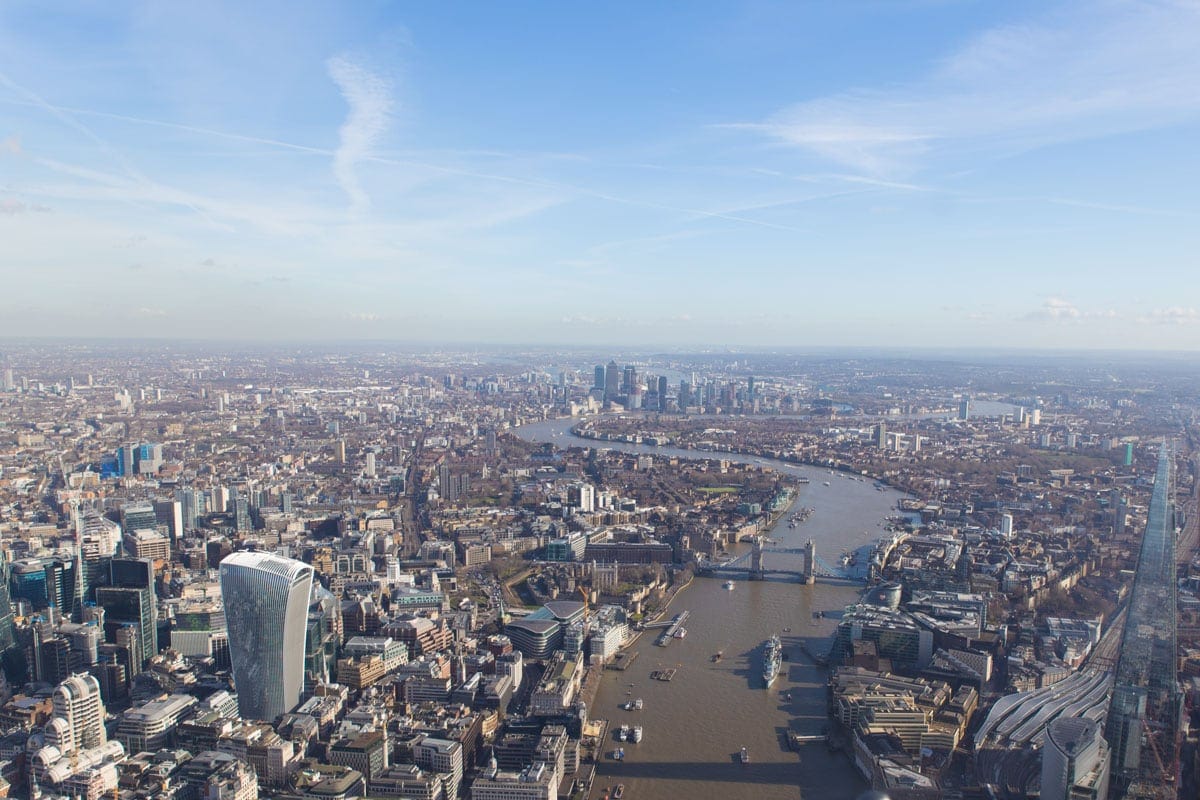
(756, 560)
(810, 563)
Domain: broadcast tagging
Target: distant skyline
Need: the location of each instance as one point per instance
(929, 174)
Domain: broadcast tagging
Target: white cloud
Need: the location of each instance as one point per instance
(369, 98)
(1057, 309)
(151, 312)
(1175, 315)
(1092, 70)
(364, 316)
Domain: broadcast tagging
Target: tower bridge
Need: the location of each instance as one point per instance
(754, 565)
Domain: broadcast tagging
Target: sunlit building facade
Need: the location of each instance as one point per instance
(266, 612)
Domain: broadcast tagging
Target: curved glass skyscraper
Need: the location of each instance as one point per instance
(266, 613)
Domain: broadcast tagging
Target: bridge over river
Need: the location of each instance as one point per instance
(754, 565)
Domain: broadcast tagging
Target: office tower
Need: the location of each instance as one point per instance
(750, 390)
(322, 636)
(129, 600)
(450, 485)
(629, 381)
(598, 382)
(199, 630)
(1035, 417)
(685, 395)
(100, 542)
(126, 460)
(7, 623)
(266, 611)
(285, 502)
(60, 583)
(1128, 460)
(369, 467)
(964, 408)
(8, 380)
(148, 458)
(339, 451)
(881, 436)
(241, 514)
(662, 392)
(10, 651)
(612, 380)
(1075, 760)
(1121, 516)
(191, 505)
(1006, 525)
(77, 700)
(169, 513)
(218, 500)
(138, 516)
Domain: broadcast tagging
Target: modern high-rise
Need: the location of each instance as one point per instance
(629, 380)
(241, 514)
(612, 380)
(129, 600)
(77, 700)
(138, 516)
(1142, 727)
(1074, 760)
(170, 514)
(266, 612)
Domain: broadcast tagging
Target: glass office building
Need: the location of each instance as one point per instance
(266, 614)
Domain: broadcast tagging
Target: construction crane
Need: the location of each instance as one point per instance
(1167, 787)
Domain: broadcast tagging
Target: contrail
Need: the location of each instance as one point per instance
(396, 162)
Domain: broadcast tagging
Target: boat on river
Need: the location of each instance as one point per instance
(772, 658)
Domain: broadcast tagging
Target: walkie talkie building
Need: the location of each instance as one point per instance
(266, 612)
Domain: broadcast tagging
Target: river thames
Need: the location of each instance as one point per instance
(695, 726)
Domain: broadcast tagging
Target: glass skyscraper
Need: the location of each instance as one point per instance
(266, 613)
(129, 600)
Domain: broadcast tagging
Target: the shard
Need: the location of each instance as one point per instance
(1144, 718)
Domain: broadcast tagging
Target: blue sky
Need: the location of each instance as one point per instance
(923, 173)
